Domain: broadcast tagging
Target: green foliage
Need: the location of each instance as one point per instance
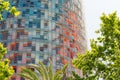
(76, 76)
(5, 6)
(41, 72)
(103, 60)
(6, 71)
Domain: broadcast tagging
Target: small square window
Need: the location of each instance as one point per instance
(33, 48)
(22, 78)
(42, 13)
(46, 46)
(56, 5)
(41, 48)
(37, 34)
(46, 24)
(46, 6)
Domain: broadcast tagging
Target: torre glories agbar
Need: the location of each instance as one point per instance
(46, 30)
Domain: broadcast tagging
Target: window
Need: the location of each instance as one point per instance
(30, 24)
(35, 12)
(45, 62)
(33, 61)
(11, 25)
(19, 57)
(38, 24)
(13, 78)
(41, 48)
(29, 55)
(41, 56)
(22, 78)
(18, 35)
(46, 6)
(33, 48)
(46, 24)
(5, 35)
(41, 37)
(38, 34)
(5, 44)
(56, 6)
(46, 46)
(27, 11)
(38, 13)
(19, 22)
(23, 13)
(32, 3)
(29, 44)
(55, 18)
(42, 13)
(17, 46)
(28, 62)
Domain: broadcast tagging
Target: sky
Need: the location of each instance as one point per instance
(92, 10)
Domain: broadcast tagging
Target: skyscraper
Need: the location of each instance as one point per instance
(45, 30)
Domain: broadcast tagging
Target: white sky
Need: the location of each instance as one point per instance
(93, 10)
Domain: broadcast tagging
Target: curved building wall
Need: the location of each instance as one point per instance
(45, 30)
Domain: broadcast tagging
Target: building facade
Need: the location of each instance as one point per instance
(45, 30)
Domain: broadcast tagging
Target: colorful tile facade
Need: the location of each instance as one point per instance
(45, 30)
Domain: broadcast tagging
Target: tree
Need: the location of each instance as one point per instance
(41, 72)
(6, 71)
(5, 6)
(103, 60)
